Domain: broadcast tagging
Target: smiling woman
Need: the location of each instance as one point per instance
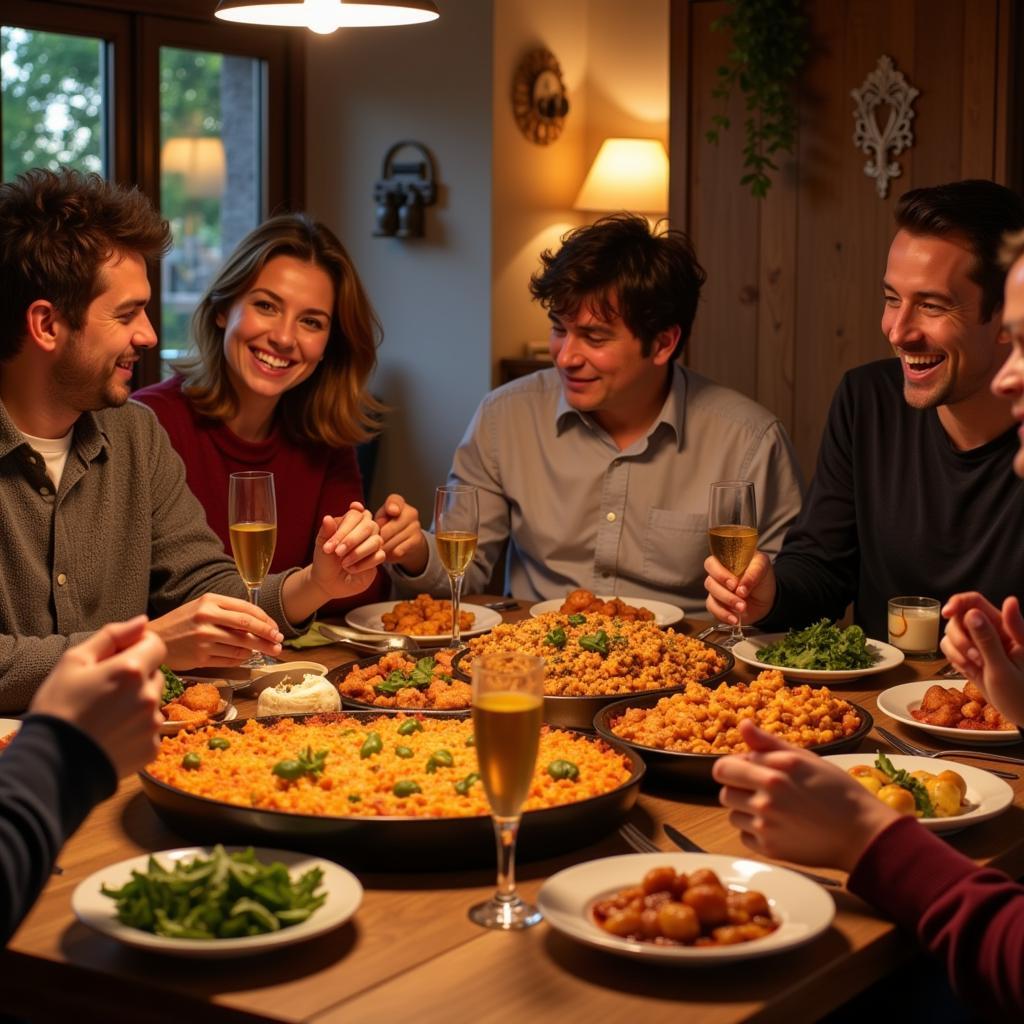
(284, 341)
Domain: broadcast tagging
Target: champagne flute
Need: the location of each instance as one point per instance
(732, 531)
(508, 699)
(252, 523)
(456, 521)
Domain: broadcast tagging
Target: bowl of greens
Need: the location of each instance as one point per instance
(823, 651)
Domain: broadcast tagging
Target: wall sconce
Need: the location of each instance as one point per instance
(403, 191)
(627, 174)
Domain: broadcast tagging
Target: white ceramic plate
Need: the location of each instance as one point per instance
(664, 614)
(747, 651)
(987, 796)
(368, 619)
(91, 907)
(803, 907)
(898, 702)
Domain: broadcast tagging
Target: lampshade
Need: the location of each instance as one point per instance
(627, 174)
(201, 160)
(324, 16)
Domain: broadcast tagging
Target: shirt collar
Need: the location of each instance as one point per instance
(673, 411)
(89, 438)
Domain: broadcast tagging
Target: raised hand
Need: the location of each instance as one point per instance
(986, 645)
(216, 631)
(751, 596)
(346, 553)
(401, 534)
(109, 686)
(790, 804)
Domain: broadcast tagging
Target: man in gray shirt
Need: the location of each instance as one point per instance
(98, 523)
(597, 471)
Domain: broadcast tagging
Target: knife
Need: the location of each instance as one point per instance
(687, 844)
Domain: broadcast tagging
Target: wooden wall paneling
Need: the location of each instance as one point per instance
(723, 220)
(1008, 150)
(981, 72)
(679, 115)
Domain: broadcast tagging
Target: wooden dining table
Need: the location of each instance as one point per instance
(412, 954)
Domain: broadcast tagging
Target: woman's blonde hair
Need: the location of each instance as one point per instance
(332, 406)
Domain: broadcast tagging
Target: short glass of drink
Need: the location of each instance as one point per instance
(914, 626)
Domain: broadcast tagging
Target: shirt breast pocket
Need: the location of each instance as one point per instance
(675, 546)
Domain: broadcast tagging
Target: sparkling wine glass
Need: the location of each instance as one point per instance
(732, 531)
(508, 699)
(252, 523)
(456, 522)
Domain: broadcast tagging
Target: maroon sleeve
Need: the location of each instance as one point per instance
(970, 917)
(343, 484)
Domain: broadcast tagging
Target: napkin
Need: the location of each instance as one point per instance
(311, 638)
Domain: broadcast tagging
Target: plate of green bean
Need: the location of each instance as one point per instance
(214, 902)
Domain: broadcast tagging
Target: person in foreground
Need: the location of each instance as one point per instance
(912, 492)
(93, 720)
(791, 805)
(284, 342)
(99, 524)
(598, 471)
(986, 643)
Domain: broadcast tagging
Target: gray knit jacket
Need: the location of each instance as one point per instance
(123, 535)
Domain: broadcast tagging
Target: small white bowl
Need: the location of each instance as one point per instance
(271, 675)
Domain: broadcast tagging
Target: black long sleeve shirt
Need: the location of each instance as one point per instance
(894, 509)
(51, 776)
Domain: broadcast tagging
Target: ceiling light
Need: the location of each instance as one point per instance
(324, 16)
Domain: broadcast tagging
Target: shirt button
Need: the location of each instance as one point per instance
(61, 579)
(44, 491)
(610, 517)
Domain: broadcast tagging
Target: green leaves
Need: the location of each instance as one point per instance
(901, 777)
(556, 638)
(173, 686)
(223, 896)
(769, 51)
(419, 678)
(307, 763)
(823, 646)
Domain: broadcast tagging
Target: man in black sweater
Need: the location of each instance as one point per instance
(913, 492)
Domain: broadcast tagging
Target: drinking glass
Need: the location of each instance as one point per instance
(732, 530)
(508, 698)
(252, 523)
(456, 522)
(914, 625)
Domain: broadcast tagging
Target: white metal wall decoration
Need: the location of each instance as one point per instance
(885, 85)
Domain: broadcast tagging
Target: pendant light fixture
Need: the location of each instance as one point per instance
(325, 16)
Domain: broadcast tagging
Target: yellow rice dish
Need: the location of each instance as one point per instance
(384, 766)
(590, 655)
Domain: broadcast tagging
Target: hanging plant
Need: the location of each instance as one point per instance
(769, 49)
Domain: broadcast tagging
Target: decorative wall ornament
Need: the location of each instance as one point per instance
(885, 85)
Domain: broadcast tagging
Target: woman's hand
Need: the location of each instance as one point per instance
(730, 598)
(986, 645)
(346, 553)
(401, 534)
(790, 804)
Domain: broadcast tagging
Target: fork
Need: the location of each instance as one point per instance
(368, 642)
(905, 747)
(950, 672)
(502, 606)
(635, 839)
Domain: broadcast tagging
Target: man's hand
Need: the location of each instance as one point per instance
(110, 686)
(749, 598)
(987, 646)
(401, 534)
(214, 630)
(790, 804)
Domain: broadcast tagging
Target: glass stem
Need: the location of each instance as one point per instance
(254, 595)
(737, 630)
(456, 582)
(505, 832)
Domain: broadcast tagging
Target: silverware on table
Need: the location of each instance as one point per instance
(717, 627)
(687, 844)
(371, 644)
(635, 839)
(906, 747)
(502, 606)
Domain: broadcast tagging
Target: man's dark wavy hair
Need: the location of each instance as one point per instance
(977, 211)
(618, 266)
(57, 229)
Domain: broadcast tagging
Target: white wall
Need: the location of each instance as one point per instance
(457, 301)
(367, 89)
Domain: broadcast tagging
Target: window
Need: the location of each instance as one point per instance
(205, 117)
